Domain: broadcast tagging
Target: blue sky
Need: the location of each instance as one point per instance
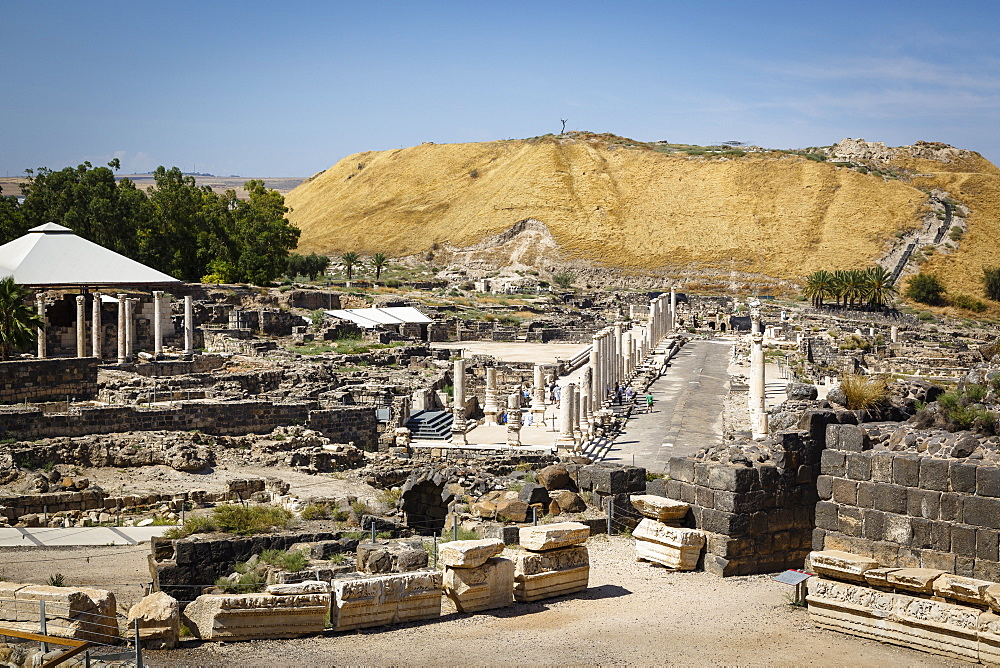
(287, 89)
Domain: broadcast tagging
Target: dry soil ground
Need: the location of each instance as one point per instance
(632, 614)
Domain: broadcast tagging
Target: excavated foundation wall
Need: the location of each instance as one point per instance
(48, 379)
(235, 418)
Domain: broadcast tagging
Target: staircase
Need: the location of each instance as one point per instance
(430, 425)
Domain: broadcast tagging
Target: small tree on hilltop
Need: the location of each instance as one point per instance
(925, 288)
(18, 321)
(991, 280)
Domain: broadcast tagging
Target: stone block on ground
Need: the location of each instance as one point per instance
(232, 617)
(304, 587)
(541, 575)
(553, 536)
(879, 577)
(841, 565)
(568, 502)
(659, 508)
(390, 557)
(919, 623)
(159, 620)
(962, 589)
(367, 601)
(80, 613)
(555, 476)
(677, 549)
(485, 587)
(469, 553)
(920, 580)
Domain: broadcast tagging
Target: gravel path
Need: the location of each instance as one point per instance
(632, 614)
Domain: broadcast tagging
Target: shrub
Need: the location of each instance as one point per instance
(360, 508)
(864, 391)
(289, 561)
(925, 316)
(925, 288)
(976, 393)
(463, 534)
(389, 497)
(393, 283)
(315, 511)
(56, 580)
(991, 281)
(250, 520)
(338, 558)
(564, 279)
(968, 303)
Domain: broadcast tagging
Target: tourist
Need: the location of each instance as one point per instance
(649, 403)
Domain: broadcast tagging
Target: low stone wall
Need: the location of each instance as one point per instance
(235, 418)
(161, 368)
(15, 507)
(48, 379)
(906, 509)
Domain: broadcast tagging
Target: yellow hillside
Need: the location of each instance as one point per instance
(975, 182)
(635, 208)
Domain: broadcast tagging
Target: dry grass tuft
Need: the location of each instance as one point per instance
(864, 391)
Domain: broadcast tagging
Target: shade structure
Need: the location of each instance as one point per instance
(51, 256)
(375, 316)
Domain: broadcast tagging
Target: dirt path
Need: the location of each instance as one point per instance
(633, 614)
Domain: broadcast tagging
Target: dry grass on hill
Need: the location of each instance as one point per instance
(778, 214)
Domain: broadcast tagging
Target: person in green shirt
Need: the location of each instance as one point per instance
(649, 403)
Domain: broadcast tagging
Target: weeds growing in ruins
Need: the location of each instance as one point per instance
(236, 519)
(56, 580)
(292, 562)
(864, 391)
(463, 534)
(338, 558)
(963, 410)
(248, 583)
(389, 497)
(315, 511)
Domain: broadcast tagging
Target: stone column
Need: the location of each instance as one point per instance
(188, 325)
(627, 360)
(538, 397)
(458, 425)
(894, 334)
(492, 406)
(40, 305)
(514, 419)
(97, 328)
(566, 440)
(757, 410)
(81, 326)
(130, 328)
(122, 318)
(578, 430)
(157, 322)
(673, 308)
(616, 345)
(586, 405)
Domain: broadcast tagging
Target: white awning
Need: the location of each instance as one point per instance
(373, 317)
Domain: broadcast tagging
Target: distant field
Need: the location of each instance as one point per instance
(220, 184)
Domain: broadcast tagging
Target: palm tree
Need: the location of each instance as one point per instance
(879, 287)
(819, 285)
(350, 260)
(18, 321)
(379, 262)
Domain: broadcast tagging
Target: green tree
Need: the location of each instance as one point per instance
(819, 286)
(925, 288)
(89, 201)
(991, 281)
(316, 265)
(18, 321)
(12, 223)
(564, 279)
(879, 288)
(261, 236)
(379, 262)
(349, 261)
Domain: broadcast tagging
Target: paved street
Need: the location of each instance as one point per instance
(47, 537)
(687, 408)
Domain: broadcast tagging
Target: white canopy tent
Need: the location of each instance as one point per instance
(375, 316)
(51, 256)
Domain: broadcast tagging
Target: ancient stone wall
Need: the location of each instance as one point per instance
(182, 567)
(48, 379)
(908, 509)
(197, 364)
(235, 418)
(13, 507)
(758, 518)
